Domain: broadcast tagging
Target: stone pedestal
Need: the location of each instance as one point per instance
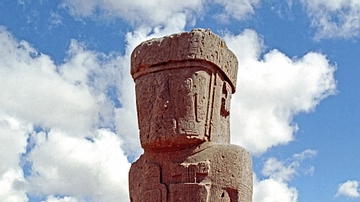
(183, 87)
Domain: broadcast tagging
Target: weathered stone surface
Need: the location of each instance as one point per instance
(183, 87)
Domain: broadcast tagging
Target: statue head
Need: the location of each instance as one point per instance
(183, 88)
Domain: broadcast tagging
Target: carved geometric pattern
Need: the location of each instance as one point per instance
(190, 172)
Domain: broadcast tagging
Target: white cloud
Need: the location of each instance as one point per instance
(157, 12)
(13, 136)
(285, 171)
(150, 13)
(72, 166)
(305, 154)
(70, 101)
(336, 18)
(33, 90)
(272, 90)
(13, 186)
(71, 97)
(277, 169)
(349, 189)
(275, 187)
(237, 9)
(271, 190)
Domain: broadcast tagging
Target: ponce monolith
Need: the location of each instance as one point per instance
(184, 84)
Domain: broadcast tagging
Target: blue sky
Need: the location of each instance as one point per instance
(68, 128)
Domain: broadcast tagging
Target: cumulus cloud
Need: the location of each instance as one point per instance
(337, 18)
(12, 142)
(77, 152)
(275, 186)
(271, 90)
(33, 90)
(73, 96)
(269, 190)
(13, 186)
(349, 189)
(68, 165)
(13, 136)
(279, 170)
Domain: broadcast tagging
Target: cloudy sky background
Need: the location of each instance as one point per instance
(68, 127)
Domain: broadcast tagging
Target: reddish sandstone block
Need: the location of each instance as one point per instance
(183, 87)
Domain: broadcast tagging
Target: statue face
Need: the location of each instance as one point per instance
(173, 108)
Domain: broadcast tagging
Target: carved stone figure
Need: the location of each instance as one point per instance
(184, 84)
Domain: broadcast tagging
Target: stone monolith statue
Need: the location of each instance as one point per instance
(183, 87)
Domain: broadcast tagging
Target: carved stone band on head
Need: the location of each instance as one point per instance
(199, 44)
